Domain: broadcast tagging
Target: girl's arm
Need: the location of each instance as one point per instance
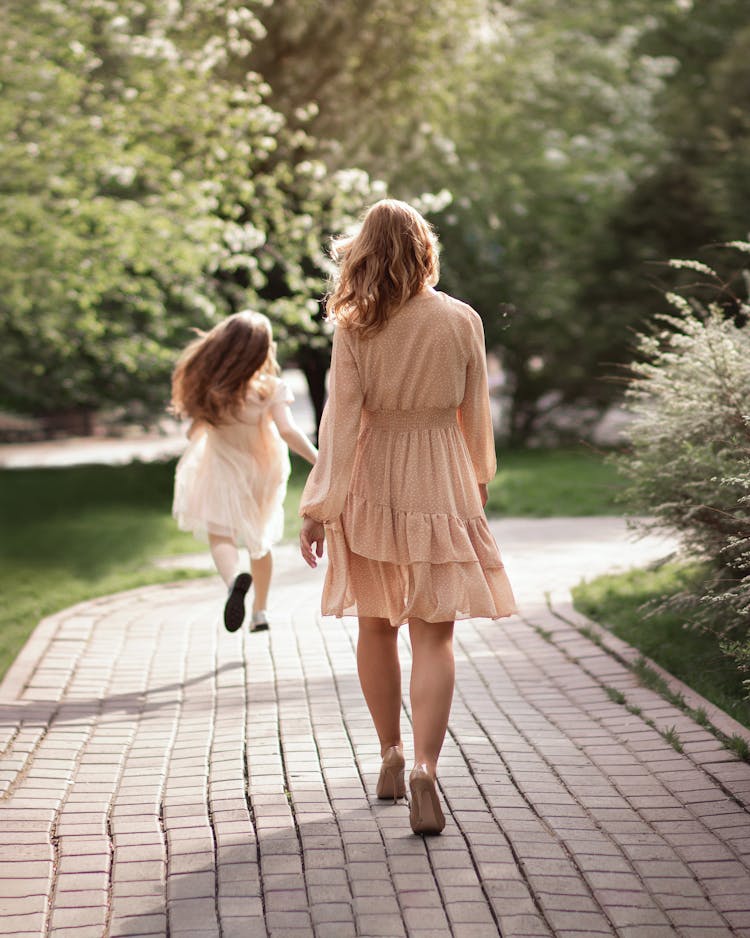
(291, 434)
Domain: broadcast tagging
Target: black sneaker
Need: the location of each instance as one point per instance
(234, 609)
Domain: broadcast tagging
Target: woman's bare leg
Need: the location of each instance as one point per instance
(380, 676)
(261, 569)
(431, 690)
(226, 557)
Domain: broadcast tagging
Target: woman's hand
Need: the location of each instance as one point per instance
(483, 493)
(311, 535)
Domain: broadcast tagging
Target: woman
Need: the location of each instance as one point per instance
(405, 454)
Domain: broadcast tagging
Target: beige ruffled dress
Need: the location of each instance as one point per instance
(231, 480)
(406, 435)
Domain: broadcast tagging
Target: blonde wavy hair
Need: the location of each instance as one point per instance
(391, 258)
(214, 373)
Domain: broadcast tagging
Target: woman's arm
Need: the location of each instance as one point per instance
(328, 483)
(474, 413)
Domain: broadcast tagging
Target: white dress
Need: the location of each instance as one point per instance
(231, 480)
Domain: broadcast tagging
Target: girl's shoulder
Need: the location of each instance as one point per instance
(268, 390)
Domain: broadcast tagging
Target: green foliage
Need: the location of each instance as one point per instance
(632, 605)
(144, 192)
(739, 745)
(689, 463)
(366, 79)
(671, 735)
(535, 178)
(695, 190)
(164, 164)
(106, 203)
(615, 695)
(535, 117)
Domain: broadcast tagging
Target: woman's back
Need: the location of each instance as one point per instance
(418, 360)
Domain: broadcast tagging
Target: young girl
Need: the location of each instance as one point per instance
(406, 452)
(231, 481)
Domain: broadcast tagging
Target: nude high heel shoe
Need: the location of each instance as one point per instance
(425, 813)
(391, 779)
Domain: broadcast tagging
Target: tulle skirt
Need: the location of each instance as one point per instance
(234, 492)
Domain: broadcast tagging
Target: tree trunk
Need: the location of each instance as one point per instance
(522, 419)
(314, 364)
(77, 421)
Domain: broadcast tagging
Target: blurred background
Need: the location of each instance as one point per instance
(166, 163)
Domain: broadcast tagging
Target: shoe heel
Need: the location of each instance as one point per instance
(392, 785)
(415, 815)
(425, 813)
(391, 779)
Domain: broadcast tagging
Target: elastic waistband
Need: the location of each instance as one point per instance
(401, 420)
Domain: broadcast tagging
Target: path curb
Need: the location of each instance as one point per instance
(620, 650)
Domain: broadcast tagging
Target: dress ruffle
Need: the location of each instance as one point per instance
(381, 532)
(400, 564)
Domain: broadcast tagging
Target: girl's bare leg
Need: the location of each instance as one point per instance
(225, 556)
(261, 569)
(380, 676)
(431, 690)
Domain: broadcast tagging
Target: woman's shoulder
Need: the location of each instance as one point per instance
(455, 306)
(459, 316)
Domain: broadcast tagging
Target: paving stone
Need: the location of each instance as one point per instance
(381, 926)
(591, 813)
(138, 925)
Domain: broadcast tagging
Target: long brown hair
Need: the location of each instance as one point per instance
(213, 374)
(392, 257)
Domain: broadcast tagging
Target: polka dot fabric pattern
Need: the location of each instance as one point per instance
(405, 439)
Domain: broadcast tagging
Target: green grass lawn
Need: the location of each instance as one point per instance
(552, 483)
(694, 657)
(71, 534)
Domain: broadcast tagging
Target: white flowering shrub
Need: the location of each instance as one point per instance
(689, 461)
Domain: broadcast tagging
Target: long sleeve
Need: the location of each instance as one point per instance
(328, 484)
(474, 413)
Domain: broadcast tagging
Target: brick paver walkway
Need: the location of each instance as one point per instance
(161, 777)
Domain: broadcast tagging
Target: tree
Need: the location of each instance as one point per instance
(364, 76)
(553, 130)
(143, 192)
(114, 151)
(695, 191)
(536, 119)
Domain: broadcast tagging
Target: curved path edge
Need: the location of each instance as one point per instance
(162, 777)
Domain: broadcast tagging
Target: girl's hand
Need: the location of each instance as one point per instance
(483, 493)
(312, 534)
